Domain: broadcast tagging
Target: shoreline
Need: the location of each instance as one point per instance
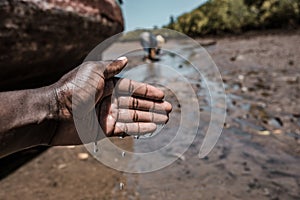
(257, 156)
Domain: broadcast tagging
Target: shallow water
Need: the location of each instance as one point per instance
(231, 169)
(246, 163)
(174, 73)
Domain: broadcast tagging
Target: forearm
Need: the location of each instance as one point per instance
(26, 119)
(26, 137)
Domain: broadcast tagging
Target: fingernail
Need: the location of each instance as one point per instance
(122, 58)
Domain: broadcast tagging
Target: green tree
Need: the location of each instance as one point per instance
(234, 16)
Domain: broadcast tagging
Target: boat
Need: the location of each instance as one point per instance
(40, 40)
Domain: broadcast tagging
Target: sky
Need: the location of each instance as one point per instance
(150, 13)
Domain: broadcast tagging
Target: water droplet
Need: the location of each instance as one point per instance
(123, 154)
(96, 147)
(122, 186)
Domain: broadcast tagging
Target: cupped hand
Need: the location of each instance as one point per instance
(124, 107)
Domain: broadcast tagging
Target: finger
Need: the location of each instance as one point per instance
(143, 104)
(125, 115)
(133, 88)
(134, 128)
(115, 67)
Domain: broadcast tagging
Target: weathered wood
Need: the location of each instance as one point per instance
(41, 40)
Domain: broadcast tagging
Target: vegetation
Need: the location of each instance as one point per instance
(135, 35)
(234, 16)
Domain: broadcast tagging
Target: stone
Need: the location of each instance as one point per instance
(264, 133)
(61, 166)
(83, 156)
(277, 132)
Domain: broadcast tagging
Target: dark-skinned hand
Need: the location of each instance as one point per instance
(123, 107)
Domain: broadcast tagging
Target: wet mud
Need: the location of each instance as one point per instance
(257, 155)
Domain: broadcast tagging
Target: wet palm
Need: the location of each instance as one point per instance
(123, 106)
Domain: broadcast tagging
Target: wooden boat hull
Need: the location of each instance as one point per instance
(41, 40)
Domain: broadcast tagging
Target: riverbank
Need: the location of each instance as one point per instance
(257, 156)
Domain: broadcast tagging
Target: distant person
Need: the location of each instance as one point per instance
(152, 45)
(160, 42)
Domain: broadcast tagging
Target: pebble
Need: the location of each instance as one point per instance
(275, 122)
(244, 89)
(265, 133)
(61, 166)
(122, 186)
(240, 57)
(277, 132)
(241, 77)
(226, 125)
(83, 156)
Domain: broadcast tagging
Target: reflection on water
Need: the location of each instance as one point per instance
(171, 74)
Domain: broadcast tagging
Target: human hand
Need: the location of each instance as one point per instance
(134, 108)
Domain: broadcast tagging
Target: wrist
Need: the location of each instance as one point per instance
(43, 103)
(49, 106)
(53, 106)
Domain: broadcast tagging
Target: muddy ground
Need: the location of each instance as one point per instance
(257, 155)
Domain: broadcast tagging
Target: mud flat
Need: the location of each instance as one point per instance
(257, 155)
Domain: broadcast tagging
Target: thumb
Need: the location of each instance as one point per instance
(115, 67)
